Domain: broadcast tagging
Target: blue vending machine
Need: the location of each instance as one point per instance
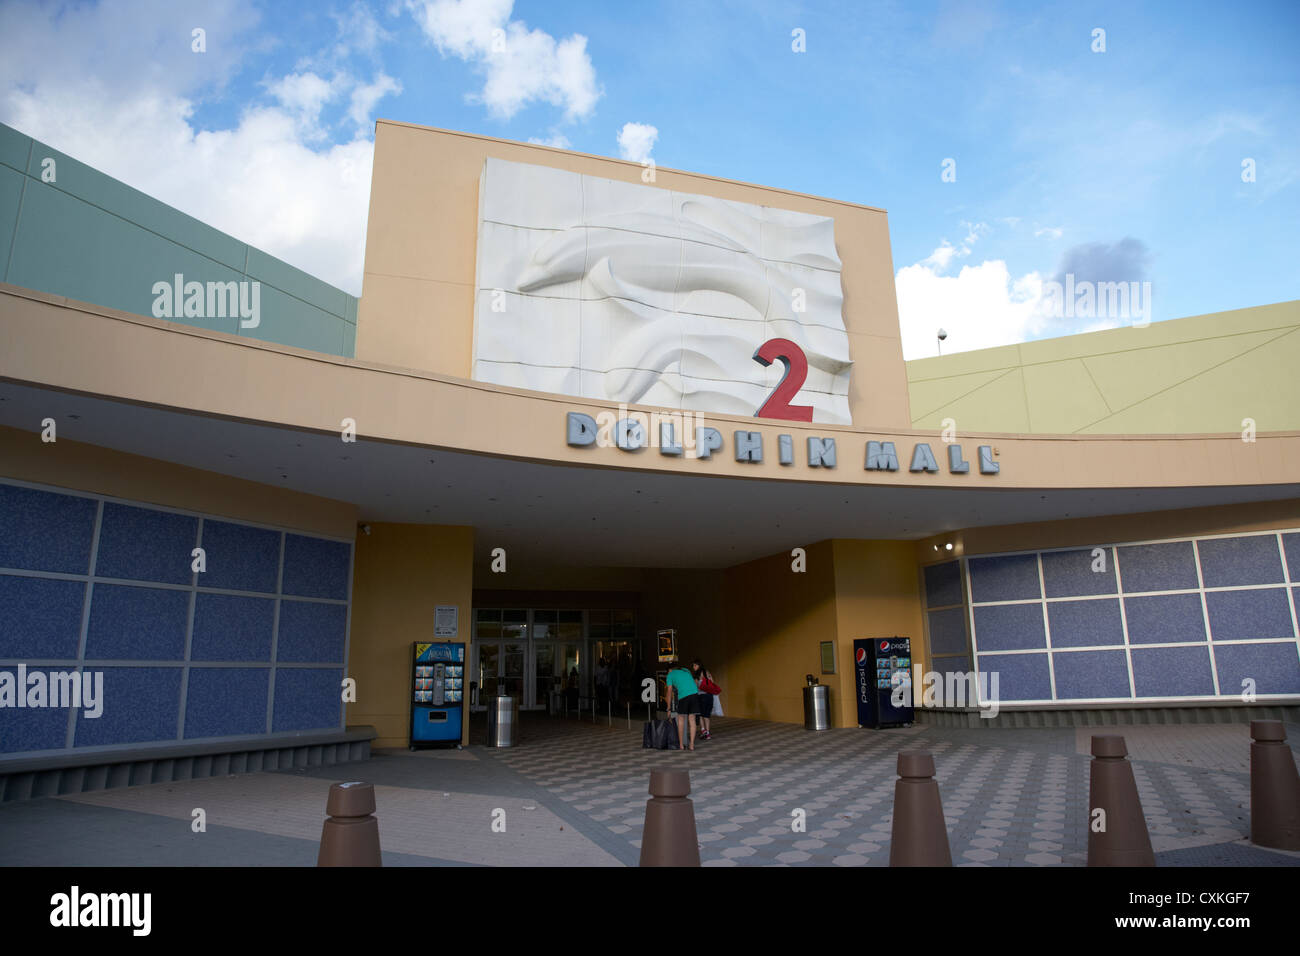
(438, 694)
(882, 664)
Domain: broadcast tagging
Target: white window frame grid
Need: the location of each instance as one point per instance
(81, 663)
(1112, 549)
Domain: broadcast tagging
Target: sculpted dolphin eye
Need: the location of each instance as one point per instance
(655, 297)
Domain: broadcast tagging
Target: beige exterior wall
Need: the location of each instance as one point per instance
(1206, 373)
(401, 573)
(1148, 526)
(80, 467)
(56, 344)
(417, 304)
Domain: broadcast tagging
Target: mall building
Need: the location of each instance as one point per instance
(580, 402)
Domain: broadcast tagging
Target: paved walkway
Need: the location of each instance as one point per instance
(573, 794)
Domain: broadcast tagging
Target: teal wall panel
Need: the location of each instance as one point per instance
(68, 247)
(119, 199)
(290, 321)
(14, 148)
(11, 192)
(296, 283)
(95, 239)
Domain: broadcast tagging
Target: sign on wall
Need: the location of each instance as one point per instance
(628, 292)
(445, 622)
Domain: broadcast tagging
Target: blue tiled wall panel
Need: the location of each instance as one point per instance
(307, 698)
(1257, 614)
(31, 728)
(1275, 668)
(44, 531)
(1070, 573)
(228, 627)
(946, 665)
(314, 567)
(1158, 567)
(943, 584)
(1291, 545)
(239, 557)
(40, 618)
(140, 544)
(1172, 671)
(140, 704)
(311, 633)
(1020, 676)
(1082, 675)
(1008, 577)
(948, 631)
(1009, 627)
(226, 701)
(1085, 623)
(1229, 562)
(1164, 618)
(137, 623)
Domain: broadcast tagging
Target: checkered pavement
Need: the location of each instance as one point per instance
(1011, 797)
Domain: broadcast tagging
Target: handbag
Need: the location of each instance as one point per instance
(717, 704)
(660, 735)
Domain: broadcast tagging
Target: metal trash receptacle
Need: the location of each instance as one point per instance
(817, 707)
(503, 721)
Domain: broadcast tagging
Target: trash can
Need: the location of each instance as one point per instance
(503, 721)
(816, 707)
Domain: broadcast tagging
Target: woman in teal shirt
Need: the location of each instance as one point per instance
(681, 683)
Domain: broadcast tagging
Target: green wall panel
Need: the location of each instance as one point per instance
(67, 247)
(11, 191)
(95, 239)
(290, 321)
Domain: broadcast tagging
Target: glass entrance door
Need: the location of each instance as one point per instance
(487, 664)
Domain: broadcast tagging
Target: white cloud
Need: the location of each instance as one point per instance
(365, 96)
(125, 107)
(558, 140)
(521, 66)
(1049, 232)
(304, 95)
(980, 307)
(636, 140)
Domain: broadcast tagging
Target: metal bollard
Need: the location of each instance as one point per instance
(1119, 837)
(1274, 788)
(350, 837)
(668, 837)
(920, 835)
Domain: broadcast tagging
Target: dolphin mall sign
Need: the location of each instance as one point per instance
(681, 434)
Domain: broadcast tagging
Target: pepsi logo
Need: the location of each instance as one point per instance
(861, 655)
(884, 645)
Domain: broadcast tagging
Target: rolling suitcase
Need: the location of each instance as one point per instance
(660, 735)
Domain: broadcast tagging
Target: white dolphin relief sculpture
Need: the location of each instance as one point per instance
(691, 288)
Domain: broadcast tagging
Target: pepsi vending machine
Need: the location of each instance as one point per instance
(438, 693)
(880, 665)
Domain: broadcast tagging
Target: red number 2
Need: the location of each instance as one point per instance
(796, 370)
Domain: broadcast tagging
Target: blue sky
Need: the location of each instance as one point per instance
(1117, 165)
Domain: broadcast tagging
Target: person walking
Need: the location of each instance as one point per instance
(682, 687)
(602, 684)
(708, 692)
